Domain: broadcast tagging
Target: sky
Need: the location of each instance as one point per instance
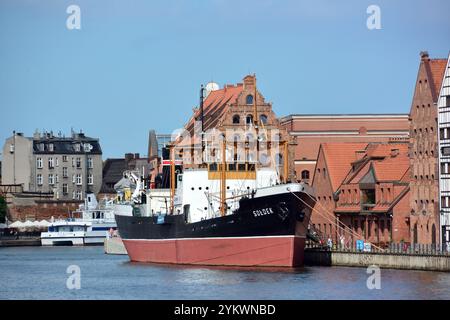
(138, 65)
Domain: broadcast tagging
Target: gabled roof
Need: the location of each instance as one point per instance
(339, 158)
(437, 70)
(214, 106)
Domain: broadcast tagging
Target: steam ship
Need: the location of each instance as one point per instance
(223, 214)
(223, 211)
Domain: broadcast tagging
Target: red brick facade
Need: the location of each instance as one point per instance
(363, 188)
(312, 130)
(424, 151)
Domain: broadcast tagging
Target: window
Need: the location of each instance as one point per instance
(90, 163)
(74, 194)
(51, 179)
(50, 163)
(51, 147)
(39, 163)
(65, 172)
(445, 151)
(90, 178)
(57, 162)
(74, 178)
(79, 179)
(305, 174)
(79, 195)
(445, 202)
(368, 198)
(236, 119)
(77, 147)
(56, 178)
(64, 158)
(263, 119)
(249, 119)
(78, 162)
(65, 189)
(73, 162)
(39, 179)
(249, 99)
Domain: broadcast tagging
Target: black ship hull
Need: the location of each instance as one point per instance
(264, 231)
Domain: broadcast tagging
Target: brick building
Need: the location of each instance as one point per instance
(312, 130)
(239, 109)
(424, 151)
(364, 188)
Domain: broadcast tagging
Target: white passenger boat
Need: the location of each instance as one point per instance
(93, 226)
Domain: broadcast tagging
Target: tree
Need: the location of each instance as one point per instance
(2, 209)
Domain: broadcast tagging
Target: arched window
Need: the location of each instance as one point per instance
(249, 119)
(305, 175)
(236, 119)
(263, 119)
(249, 99)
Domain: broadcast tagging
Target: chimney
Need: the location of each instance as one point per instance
(128, 157)
(424, 55)
(136, 155)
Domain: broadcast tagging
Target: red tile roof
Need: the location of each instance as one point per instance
(437, 69)
(214, 106)
(339, 158)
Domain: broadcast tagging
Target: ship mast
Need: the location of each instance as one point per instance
(285, 162)
(223, 177)
(172, 178)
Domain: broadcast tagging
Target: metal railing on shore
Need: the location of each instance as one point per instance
(392, 248)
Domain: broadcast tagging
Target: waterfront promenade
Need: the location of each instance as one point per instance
(397, 256)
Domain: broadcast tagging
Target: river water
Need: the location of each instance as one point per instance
(41, 273)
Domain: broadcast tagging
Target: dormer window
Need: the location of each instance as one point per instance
(77, 147)
(51, 147)
(249, 99)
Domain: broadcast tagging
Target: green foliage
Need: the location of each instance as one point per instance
(2, 209)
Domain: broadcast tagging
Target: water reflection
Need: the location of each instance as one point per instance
(31, 273)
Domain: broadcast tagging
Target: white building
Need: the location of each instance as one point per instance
(444, 156)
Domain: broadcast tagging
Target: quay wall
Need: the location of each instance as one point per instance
(114, 246)
(382, 260)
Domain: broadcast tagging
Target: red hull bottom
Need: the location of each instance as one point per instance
(276, 251)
